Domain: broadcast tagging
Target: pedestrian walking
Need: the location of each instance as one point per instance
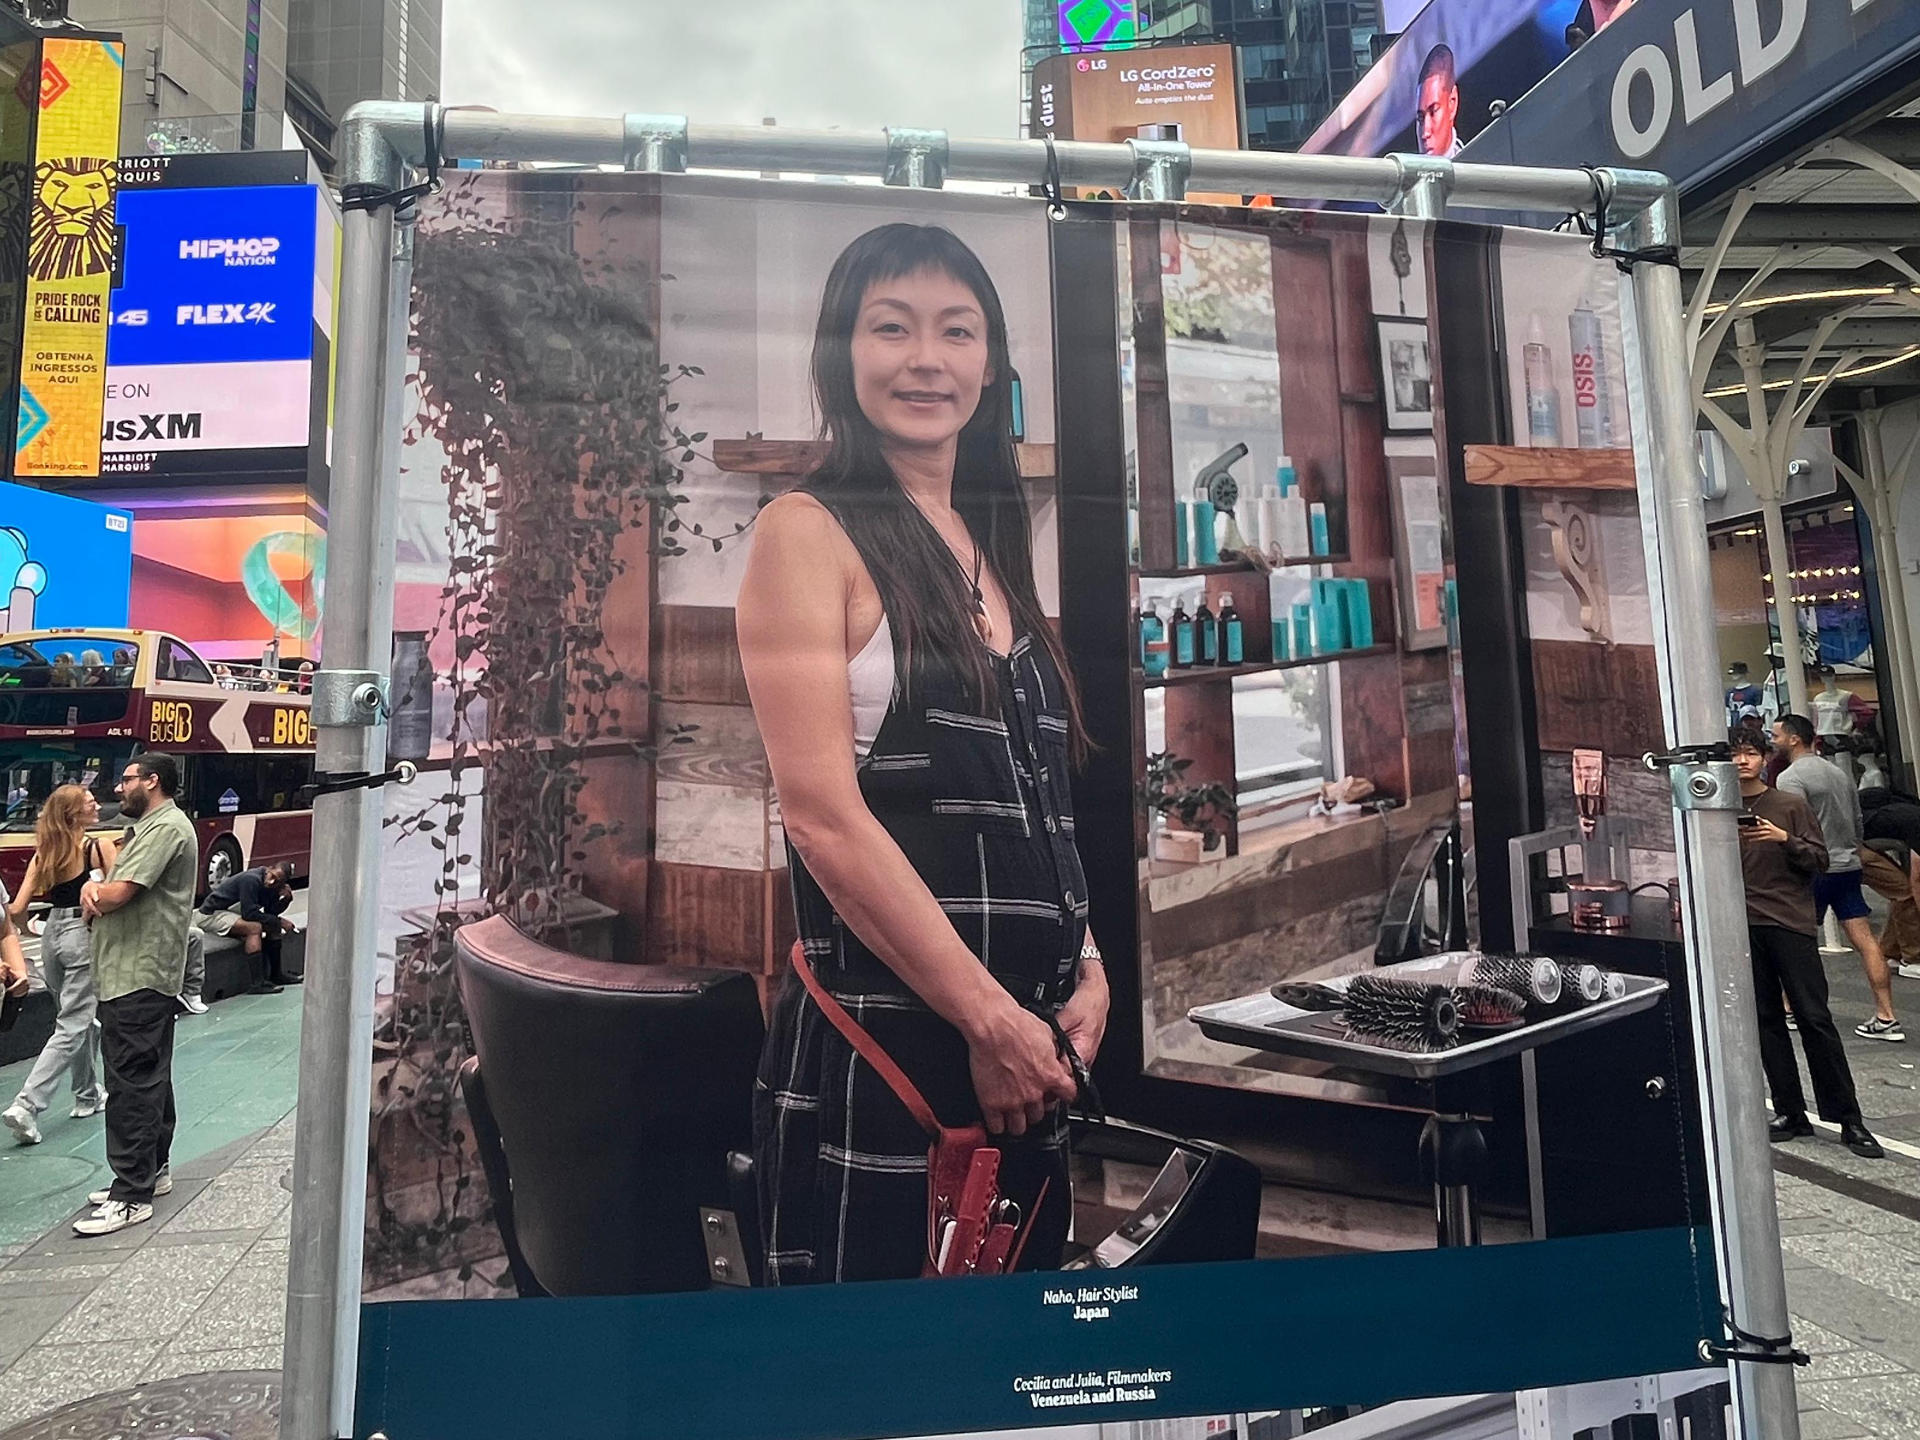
(1891, 865)
(1830, 791)
(1782, 852)
(140, 915)
(65, 858)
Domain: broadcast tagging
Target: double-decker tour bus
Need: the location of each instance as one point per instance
(76, 704)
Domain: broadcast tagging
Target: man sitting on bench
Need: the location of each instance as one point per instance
(248, 907)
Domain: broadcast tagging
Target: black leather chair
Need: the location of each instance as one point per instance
(1203, 1204)
(604, 1100)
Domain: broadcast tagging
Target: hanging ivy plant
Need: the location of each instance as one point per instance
(541, 380)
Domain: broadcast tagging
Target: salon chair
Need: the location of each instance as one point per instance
(604, 1099)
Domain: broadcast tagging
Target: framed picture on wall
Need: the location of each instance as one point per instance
(1419, 550)
(1406, 375)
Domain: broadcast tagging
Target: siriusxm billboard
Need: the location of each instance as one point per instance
(210, 357)
(63, 561)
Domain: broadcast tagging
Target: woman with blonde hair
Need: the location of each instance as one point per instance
(65, 857)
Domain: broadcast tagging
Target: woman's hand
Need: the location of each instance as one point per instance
(1017, 1072)
(1083, 1019)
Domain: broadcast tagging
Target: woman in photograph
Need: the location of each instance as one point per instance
(64, 857)
(921, 723)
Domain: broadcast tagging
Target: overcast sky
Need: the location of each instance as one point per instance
(856, 64)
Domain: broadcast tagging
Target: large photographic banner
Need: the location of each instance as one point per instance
(1044, 631)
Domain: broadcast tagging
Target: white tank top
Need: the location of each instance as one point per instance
(870, 681)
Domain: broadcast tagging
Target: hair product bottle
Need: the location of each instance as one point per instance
(1317, 522)
(1302, 630)
(1206, 633)
(1233, 640)
(1153, 641)
(1543, 401)
(1182, 627)
(1592, 386)
(1182, 530)
(1290, 517)
(1206, 542)
(1282, 633)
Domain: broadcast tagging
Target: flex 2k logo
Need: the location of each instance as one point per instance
(260, 312)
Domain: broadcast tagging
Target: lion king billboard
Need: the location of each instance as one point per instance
(70, 259)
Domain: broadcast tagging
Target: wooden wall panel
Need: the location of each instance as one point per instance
(1153, 422)
(1602, 697)
(705, 916)
(1353, 316)
(696, 656)
(1369, 506)
(1309, 386)
(1373, 722)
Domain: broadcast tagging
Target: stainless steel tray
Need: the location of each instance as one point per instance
(1264, 1023)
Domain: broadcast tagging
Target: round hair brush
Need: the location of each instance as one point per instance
(1483, 1007)
(1403, 1014)
(1583, 984)
(1533, 977)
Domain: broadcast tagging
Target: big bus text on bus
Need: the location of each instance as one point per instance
(75, 705)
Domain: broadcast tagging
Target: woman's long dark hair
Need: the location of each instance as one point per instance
(929, 603)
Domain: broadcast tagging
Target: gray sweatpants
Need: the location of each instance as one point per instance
(196, 980)
(66, 963)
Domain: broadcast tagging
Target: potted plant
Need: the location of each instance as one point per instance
(1190, 820)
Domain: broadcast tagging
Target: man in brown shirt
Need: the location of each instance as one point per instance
(1781, 850)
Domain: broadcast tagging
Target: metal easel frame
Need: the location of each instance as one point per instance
(385, 146)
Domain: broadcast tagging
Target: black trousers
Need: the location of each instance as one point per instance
(1790, 962)
(136, 1044)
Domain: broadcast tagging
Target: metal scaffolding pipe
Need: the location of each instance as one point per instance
(1726, 1028)
(482, 134)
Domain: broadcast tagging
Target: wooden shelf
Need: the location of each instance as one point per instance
(1240, 567)
(1203, 674)
(794, 458)
(1529, 467)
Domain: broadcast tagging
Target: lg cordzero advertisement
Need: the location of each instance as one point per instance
(215, 324)
(933, 899)
(1431, 92)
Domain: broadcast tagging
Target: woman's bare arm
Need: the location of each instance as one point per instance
(793, 646)
(17, 908)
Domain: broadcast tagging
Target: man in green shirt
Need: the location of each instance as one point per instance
(140, 914)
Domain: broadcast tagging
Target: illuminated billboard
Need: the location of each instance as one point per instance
(1116, 96)
(215, 324)
(1098, 22)
(62, 561)
(1431, 92)
(70, 258)
(231, 575)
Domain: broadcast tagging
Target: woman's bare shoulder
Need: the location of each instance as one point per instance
(799, 522)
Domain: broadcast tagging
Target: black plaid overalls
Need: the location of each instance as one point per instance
(981, 806)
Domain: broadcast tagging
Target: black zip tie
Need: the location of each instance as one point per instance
(1625, 259)
(1056, 207)
(360, 197)
(1754, 1349)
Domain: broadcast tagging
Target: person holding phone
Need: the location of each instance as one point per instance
(921, 723)
(1782, 851)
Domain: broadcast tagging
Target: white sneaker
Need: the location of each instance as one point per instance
(113, 1216)
(1908, 970)
(83, 1108)
(17, 1118)
(162, 1186)
(193, 1005)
